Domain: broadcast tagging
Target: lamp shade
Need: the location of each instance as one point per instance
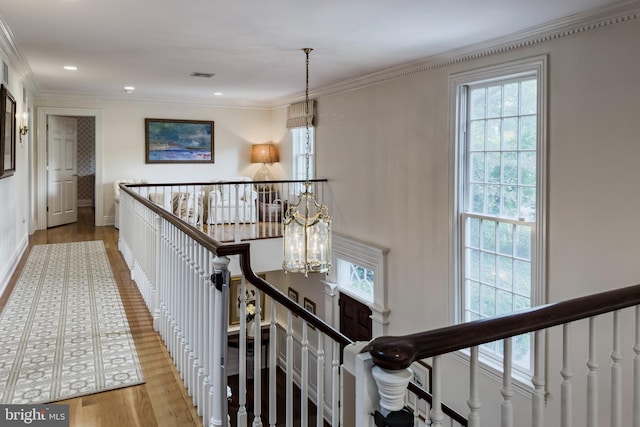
(264, 153)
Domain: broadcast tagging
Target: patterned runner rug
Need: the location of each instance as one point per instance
(64, 332)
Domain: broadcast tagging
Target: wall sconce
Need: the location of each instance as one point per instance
(24, 128)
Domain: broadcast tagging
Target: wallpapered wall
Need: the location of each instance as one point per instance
(86, 160)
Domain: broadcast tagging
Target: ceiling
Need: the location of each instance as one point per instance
(252, 46)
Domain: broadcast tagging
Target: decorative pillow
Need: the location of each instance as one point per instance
(180, 204)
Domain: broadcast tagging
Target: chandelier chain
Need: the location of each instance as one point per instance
(307, 182)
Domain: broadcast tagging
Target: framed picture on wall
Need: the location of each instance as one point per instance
(234, 299)
(178, 141)
(310, 306)
(7, 133)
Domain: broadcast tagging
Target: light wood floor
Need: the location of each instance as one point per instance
(162, 400)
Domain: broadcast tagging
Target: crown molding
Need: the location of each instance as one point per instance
(594, 19)
(14, 55)
(59, 96)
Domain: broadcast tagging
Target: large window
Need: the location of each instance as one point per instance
(299, 143)
(500, 197)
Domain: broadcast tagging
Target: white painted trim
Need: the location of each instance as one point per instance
(41, 163)
(371, 257)
(5, 276)
(591, 20)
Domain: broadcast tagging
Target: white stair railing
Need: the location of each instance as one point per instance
(182, 274)
(581, 316)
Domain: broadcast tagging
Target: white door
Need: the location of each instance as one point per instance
(62, 180)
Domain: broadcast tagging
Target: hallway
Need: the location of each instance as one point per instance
(161, 400)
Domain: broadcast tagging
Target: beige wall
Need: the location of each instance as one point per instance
(14, 191)
(123, 145)
(385, 150)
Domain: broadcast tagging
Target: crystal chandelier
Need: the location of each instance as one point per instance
(307, 224)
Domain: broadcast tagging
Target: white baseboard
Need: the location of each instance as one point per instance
(109, 220)
(5, 276)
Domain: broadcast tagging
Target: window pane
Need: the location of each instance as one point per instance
(511, 105)
(528, 103)
(505, 273)
(510, 168)
(528, 133)
(523, 242)
(494, 101)
(493, 200)
(487, 301)
(477, 198)
(493, 168)
(527, 168)
(488, 268)
(493, 135)
(473, 264)
(522, 351)
(522, 284)
(505, 239)
(473, 232)
(488, 235)
(510, 202)
(477, 167)
(510, 134)
(478, 103)
(504, 303)
(521, 303)
(477, 135)
(528, 203)
(473, 296)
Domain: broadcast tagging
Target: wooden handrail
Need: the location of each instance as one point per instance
(188, 184)
(243, 250)
(399, 352)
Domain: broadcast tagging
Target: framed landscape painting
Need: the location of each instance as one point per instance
(178, 141)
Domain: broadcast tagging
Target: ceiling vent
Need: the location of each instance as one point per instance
(203, 75)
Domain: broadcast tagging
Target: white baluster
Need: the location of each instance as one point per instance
(158, 273)
(636, 371)
(273, 395)
(218, 343)
(566, 392)
(257, 364)
(538, 380)
(242, 356)
(616, 374)
(507, 389)
(335, 383)
(474, 396)
(436, 405)
(304, 376)
(592, 376)
(289, 379)
(320, 382)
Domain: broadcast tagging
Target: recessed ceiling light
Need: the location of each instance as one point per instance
(129, 89)
(217, 93)
(70, 68)
(203, 75)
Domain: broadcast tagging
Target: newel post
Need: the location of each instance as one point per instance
(376, 394)
(218, 341)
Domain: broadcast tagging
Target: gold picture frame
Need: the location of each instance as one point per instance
(7, 133)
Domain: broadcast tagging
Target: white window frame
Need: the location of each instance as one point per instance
(371, 257)
(457, 84)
